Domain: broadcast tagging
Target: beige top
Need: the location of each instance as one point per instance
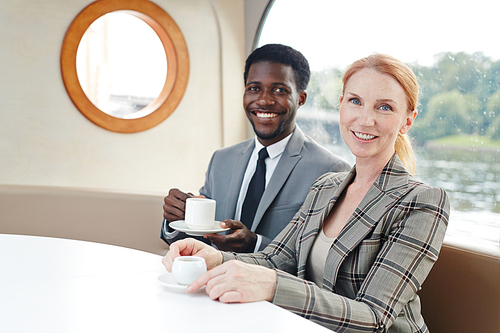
(317, 258)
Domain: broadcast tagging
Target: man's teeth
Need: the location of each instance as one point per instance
(364, 136)
(266, 115)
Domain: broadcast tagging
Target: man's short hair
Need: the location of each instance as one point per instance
(282, 54)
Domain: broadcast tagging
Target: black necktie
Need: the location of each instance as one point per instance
(255, 190)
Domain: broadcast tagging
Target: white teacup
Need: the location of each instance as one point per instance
(188, 268)
(200, 213)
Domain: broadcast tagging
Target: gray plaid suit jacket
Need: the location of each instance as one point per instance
(376, 265)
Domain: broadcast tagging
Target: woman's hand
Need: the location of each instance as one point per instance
(235, 281)
(192, 247)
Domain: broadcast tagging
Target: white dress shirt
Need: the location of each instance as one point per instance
(275, 152)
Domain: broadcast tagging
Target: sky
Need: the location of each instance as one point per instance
(335, 33)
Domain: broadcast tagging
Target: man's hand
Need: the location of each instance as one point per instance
(240, 239)
(175, 205)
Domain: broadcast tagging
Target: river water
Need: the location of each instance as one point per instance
(472, 181)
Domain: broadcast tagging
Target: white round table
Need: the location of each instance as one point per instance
(59, 285)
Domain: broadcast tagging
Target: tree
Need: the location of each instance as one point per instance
(494, 129)
(447, 114)
(493, 113)
(473, 77)
(324, 89)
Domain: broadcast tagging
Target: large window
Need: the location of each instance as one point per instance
(457, 131)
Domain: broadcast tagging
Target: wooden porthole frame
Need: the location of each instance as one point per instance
(177, 59)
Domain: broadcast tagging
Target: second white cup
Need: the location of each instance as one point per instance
(200, 213)
(188, 268)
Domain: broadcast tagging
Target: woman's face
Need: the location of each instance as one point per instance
(373, 111)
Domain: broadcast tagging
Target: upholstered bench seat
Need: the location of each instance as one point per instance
(127, 219)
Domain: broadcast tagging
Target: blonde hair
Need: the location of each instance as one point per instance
(386, 64)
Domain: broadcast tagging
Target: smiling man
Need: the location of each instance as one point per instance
(271, 101)
(258, 190)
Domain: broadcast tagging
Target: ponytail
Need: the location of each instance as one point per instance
(405, 153)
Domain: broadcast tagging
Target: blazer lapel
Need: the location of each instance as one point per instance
(291, 155)
(389, 187)
(238, 171)
(323, 203)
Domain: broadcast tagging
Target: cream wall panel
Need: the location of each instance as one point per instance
(232, 29)
(45, 140)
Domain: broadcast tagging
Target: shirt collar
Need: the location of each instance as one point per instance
(276, 149)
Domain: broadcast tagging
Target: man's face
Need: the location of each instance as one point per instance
(271, 101)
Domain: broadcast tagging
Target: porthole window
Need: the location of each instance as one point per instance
(457, 131)
(124, 64)
(121, 65)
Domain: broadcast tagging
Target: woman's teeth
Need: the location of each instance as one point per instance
(364, 136)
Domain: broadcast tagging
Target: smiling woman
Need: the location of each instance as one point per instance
(456, 134)
(370, 121)
(172, 88)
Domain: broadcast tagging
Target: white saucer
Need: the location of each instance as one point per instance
(168, 281)
(182, 227)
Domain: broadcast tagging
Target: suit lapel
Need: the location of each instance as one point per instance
(371, 209)
(389, 187)
(323, 203)
(291, 156)
(237, 173)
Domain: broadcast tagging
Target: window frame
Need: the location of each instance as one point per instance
(175, 50)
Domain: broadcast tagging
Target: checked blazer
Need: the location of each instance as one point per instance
(376, 265)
